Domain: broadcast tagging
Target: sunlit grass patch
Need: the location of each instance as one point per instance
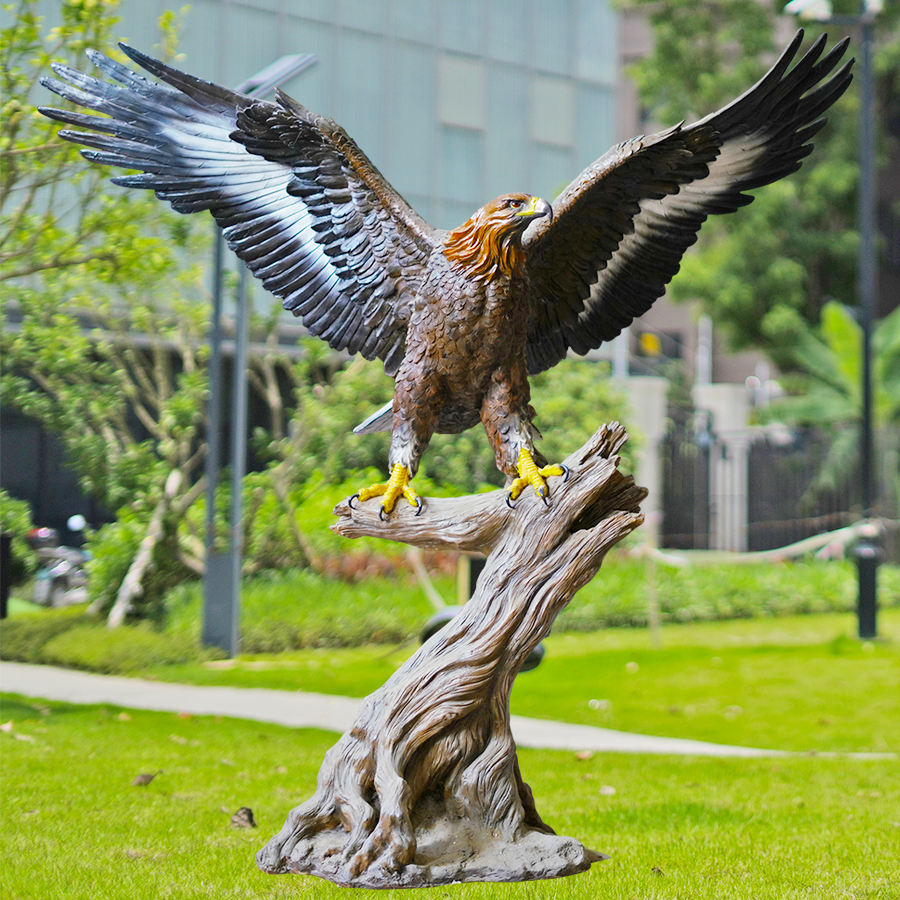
(74, 826)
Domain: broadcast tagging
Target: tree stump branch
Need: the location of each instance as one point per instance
(425, 788)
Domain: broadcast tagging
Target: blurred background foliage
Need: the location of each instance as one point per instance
(86, 265)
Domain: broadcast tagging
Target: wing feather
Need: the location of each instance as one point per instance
(298, 201)
(620, 230)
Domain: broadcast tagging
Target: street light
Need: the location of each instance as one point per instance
(222, 572)
(867, 554)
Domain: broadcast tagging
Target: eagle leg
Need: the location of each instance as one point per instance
(529, 473)
(392, 490)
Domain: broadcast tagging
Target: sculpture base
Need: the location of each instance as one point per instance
(425, 789)
(448, 851)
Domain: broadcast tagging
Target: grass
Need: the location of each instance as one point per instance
(74, 827)
(798, 683)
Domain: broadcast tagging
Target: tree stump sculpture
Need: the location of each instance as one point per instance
(425, 788)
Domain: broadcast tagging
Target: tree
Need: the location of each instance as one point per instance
(765, 274)
(105, 318)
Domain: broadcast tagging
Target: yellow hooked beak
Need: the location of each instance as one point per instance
(536, 208)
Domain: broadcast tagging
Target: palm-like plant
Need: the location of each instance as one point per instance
(826, 392)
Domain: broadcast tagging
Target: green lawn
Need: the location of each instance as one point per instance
(799, 683)
(74, 827)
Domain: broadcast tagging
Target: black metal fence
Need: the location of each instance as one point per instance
(685, 474)
(795, 492)
(793, 488)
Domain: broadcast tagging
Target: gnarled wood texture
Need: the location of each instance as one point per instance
(425, 789)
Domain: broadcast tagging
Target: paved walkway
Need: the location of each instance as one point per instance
(306, 710)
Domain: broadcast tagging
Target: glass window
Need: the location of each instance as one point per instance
(597, 42)
(369, 15)
(140, 28)
(461, 91)
(508, 31)
(425, 206)
(317, 10)
(415, 20)
(271, 5)
(313, 86)
(508, 135)
(452, 213)
(553, 34)
(596, 124)
(552, 170)
(462, 165)
(251, 42)
(411, 143)
(359, 80)
(552, 110)
(463, 25)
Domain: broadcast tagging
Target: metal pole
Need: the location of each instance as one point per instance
(867, 562)
(214, 405)
(222, 574)
(239, 444)
(217, 599)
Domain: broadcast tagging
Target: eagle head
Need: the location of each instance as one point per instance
(490, 242)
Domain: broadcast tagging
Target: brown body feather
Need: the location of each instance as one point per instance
(472, 308)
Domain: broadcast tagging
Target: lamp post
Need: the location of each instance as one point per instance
(867, 551)
(222, 572)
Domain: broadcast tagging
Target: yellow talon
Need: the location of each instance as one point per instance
(529, 473)
(396, 487)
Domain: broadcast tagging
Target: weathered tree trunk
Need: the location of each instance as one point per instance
(425, 789)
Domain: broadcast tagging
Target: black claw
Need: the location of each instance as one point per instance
(350, 501)
(542, 493)
(419, 506)
(381, 514)
(509, 501)
(565, 472)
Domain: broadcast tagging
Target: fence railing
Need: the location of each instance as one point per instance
(762, 489)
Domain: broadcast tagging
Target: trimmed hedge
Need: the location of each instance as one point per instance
(23, 638)
(619, 596)
(122, 651)
(299, 609)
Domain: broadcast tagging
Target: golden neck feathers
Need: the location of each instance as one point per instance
(489, 243)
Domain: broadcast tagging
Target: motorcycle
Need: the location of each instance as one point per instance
(61, 579)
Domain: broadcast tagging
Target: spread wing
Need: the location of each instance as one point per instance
(298, 201)
(624, 224)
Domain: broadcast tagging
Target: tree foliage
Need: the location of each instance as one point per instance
(766, 273)
(104, 337)
(826, 392)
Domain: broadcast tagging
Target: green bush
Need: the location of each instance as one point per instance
(290, 610)
(113, 549)
(23, 638)
(125, 651)
(620, 594)
(15, 519)
(299, 609)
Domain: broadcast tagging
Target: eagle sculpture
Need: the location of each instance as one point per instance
(459, 318)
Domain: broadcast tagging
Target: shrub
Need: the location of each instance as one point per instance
(113, 548)
(620, 595)
(126, 651)
(24, 637)
(15, 519)
(290, 610)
